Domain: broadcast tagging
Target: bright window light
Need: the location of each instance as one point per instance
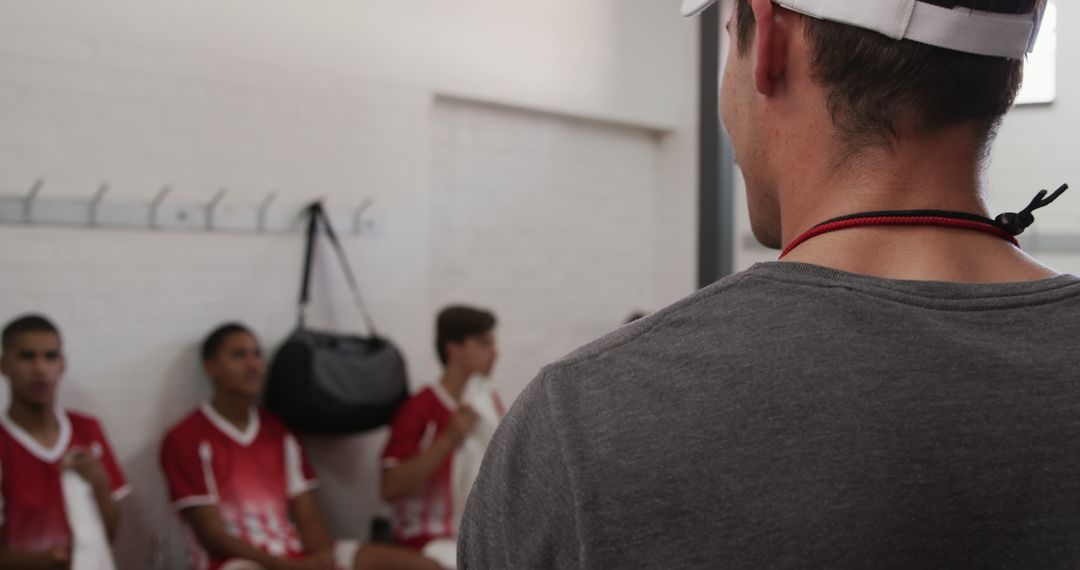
(1040, 72)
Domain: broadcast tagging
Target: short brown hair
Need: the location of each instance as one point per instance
(214, 342)
(875, 82)
(26, 324)
(457, 323)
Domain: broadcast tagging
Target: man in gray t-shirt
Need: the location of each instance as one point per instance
(900, 391)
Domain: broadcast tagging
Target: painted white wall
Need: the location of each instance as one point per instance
(615, 59)
(344, 100)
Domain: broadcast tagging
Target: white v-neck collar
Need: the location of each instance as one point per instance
(48, 455)
(444, 397)
(244, 438)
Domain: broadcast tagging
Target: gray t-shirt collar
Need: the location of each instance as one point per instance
(929, 294)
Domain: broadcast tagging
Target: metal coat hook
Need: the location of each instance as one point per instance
(95, 202)
(28, 203)
(263, 208)
(212, 207)
(358, 213)
(156, 205)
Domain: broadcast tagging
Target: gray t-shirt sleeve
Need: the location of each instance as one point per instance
(521, 512)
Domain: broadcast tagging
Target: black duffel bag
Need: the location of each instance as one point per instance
(334, 384)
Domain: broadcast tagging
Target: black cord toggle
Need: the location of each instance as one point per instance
(1018, 222)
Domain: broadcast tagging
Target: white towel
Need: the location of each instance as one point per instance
(479, 396)
(90, 550)
(443, 552)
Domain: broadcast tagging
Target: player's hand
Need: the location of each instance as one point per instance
(87, 465)
(56, 559)
(462, 424)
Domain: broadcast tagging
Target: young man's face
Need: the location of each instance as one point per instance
(238, 368)
(477, 354)
(33, 365)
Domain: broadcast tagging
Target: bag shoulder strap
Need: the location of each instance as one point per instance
(316, 217)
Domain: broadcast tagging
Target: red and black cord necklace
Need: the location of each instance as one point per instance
(1005, 226)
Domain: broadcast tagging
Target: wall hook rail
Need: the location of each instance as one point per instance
(165, 211)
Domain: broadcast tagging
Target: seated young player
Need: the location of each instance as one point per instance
(59, 479)
(243, 484)
(438, 437)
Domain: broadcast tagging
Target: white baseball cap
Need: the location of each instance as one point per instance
(960, 29)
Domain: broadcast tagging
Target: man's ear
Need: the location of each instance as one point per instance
(451, 347)
(770, 45)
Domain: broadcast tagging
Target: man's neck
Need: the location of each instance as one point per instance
(38, 421)
(235, 409)
(454, 380)
(940, 172)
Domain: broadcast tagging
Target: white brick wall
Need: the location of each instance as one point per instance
(548, 221)
(329, 104)
(629, 59)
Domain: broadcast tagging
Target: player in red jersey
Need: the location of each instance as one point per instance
(59, 479)
(241, 480)
(438, 431)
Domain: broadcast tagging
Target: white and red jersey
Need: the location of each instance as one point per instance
(32, 509)
(430, 513)
(250, 476)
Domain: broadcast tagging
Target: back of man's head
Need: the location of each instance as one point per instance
(25, 325)
(877, 85)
